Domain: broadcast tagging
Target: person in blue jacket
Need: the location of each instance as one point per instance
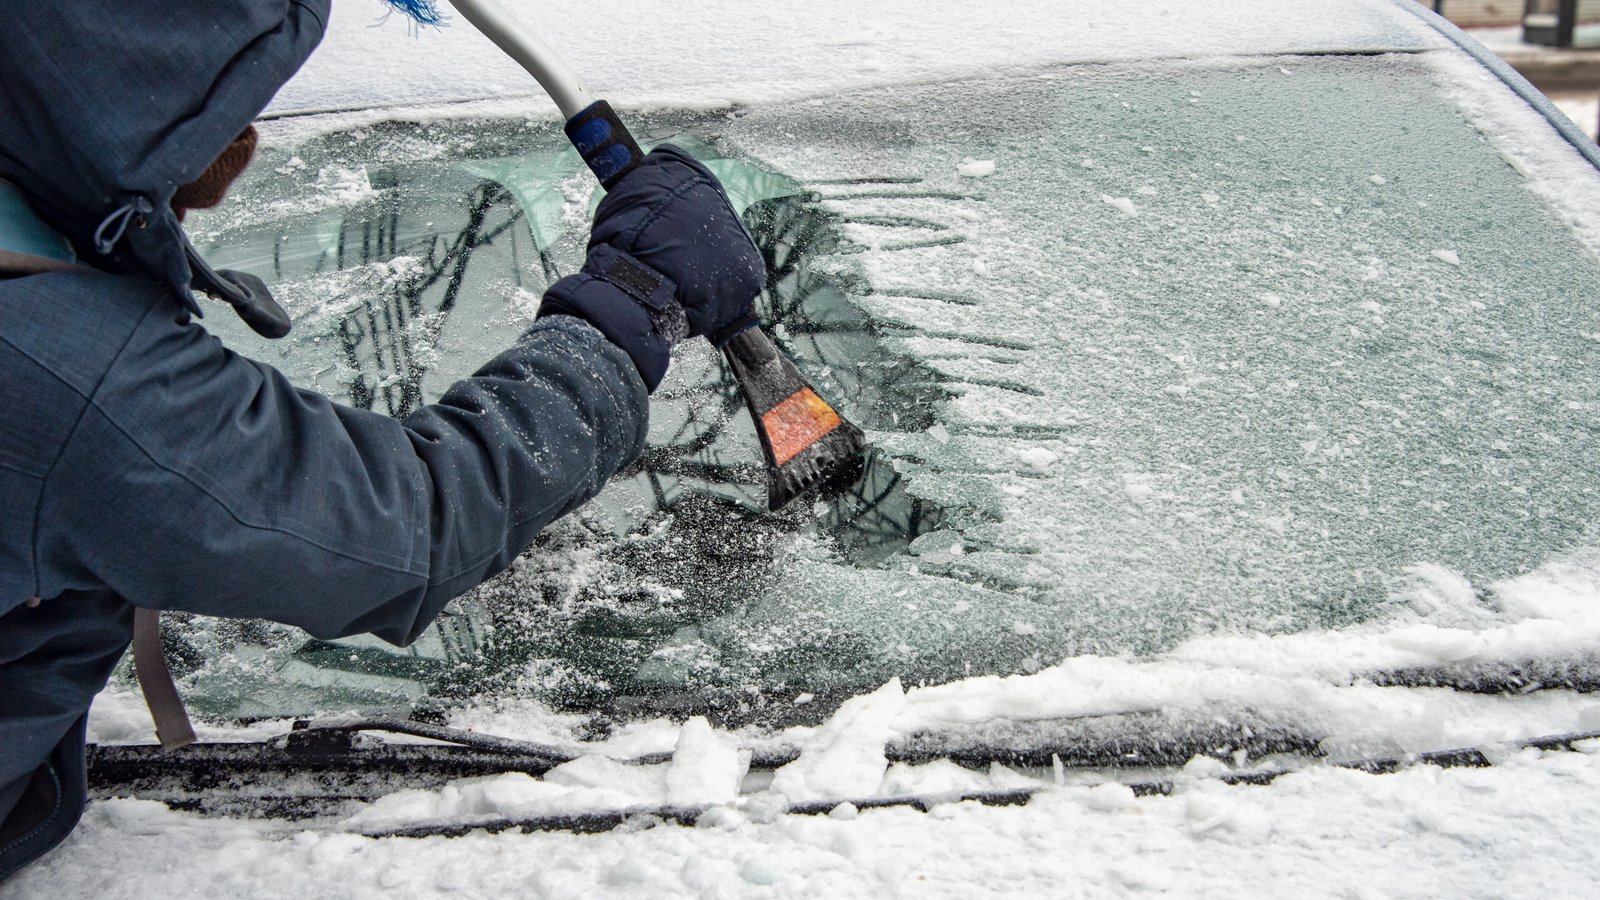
(143, 464)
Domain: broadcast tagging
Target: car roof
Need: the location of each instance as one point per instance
(728, 52)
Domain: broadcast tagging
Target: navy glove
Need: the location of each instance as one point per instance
(668, 259)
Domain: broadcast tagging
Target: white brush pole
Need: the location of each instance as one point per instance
(519, 42)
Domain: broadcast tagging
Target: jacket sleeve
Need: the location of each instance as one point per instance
(202, 481)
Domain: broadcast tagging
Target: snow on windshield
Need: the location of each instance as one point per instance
(1151, 356)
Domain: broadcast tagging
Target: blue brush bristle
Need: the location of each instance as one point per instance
(423, 12)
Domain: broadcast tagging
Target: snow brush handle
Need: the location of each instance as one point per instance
(601, 139)
(604, 143)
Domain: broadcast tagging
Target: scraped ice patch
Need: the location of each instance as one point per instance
(1121, 204)
(1447, 256)
(318, 302)
(975, 168)
(937, 546)
(336, 187)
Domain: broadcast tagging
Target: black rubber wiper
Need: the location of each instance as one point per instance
(330, 767)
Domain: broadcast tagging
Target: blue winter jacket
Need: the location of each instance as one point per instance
(144, 464)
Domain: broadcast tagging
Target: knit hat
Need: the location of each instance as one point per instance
(208, 190)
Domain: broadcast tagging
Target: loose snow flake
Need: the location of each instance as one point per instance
(1038, 457)
(1123, 205)
(975, 168)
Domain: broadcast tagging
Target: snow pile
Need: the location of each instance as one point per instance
(707, 767)
(844, 758)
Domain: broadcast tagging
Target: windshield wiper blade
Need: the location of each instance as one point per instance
(326, 768)
(636, 817)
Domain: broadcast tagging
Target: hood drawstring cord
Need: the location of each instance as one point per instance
(136, 209)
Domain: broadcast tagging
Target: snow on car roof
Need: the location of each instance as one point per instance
(641, 53)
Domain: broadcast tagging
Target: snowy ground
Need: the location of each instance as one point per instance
(1525, 827)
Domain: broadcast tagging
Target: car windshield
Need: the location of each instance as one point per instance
(1143, 352)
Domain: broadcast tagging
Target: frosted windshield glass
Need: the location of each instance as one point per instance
(1143, 352)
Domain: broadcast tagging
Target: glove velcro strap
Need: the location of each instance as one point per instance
(655, 291)
(639, 281)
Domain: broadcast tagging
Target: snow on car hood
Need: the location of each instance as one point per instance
(728, 51)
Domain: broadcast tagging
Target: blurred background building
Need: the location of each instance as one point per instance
(1554, 43)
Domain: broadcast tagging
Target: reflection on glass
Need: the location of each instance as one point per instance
(381, 285)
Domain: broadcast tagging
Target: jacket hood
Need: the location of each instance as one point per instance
(108, 106)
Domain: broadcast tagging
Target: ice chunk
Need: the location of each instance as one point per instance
(845, 757)
(1448, 256)
(1109, 798)
(707, 767)
(975, 168)
(1378, 179)
(938, 546)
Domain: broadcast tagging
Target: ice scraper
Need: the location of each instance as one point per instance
(805, 440)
